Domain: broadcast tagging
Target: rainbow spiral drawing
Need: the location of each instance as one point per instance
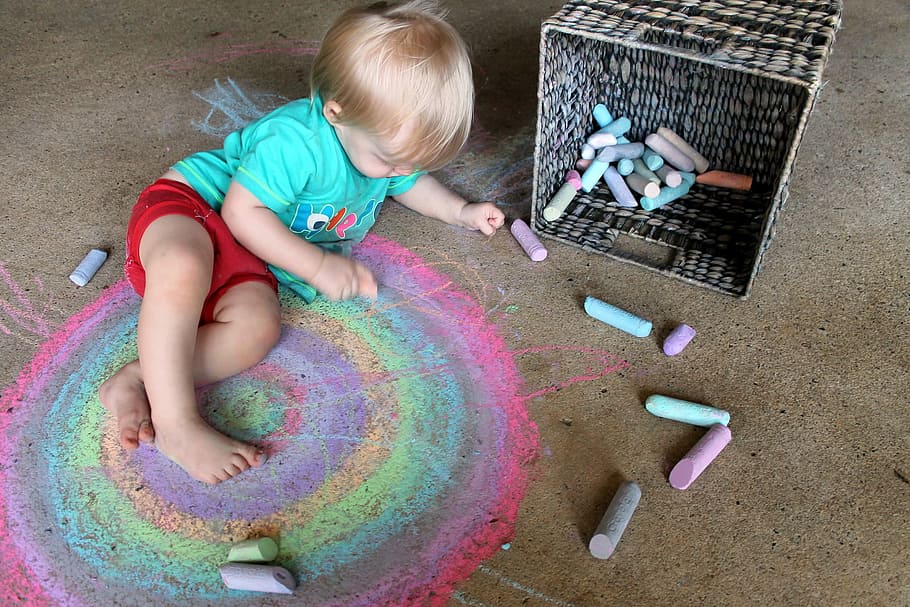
(399, 445)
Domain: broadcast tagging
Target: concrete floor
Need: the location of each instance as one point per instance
(807, 506)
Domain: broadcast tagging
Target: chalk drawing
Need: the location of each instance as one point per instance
(231, 108)
(523, 588)
(229, 52)
(19, 315)
(400, 446)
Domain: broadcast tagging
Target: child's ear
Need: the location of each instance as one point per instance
(332, 111)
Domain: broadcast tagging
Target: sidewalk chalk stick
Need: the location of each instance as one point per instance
(700, 456)
(625, 167)
(615, 520)
(259, 578)
(678, 339)
(258, 550)
(600, 140)
(669, 152)
(686, 412)
(612, 153)
(88, 267)
(639, 166)
(724, 179)
(593, 174)
(619, 188)
(642, 185)
(652, 160)
(528, 241)
(701, 163)
(617, 317)
(669, 175)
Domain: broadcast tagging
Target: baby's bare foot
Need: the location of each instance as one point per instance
(124, 396)
(206, 454)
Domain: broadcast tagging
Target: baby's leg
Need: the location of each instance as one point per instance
(176, 253)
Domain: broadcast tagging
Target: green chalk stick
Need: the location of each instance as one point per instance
(685, 411)
(258, 550)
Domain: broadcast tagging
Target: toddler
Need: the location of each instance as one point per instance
(282, 202)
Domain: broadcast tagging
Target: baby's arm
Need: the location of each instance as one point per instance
(258, 229)
(429, 197)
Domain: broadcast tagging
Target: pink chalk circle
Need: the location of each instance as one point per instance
(700, 456)
(678, 339)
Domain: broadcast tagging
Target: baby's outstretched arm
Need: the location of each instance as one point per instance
(431, 198)
(257, 228)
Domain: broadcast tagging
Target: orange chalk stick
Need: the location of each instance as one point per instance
(724, 179)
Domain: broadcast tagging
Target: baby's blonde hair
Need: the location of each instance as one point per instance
(387, 64)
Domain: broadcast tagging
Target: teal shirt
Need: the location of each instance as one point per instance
(292, 161)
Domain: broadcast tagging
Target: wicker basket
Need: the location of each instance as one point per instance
(737, 79)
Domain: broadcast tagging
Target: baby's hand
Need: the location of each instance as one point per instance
(341, 278)
(483, 216)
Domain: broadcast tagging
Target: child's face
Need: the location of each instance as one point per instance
(369, 153)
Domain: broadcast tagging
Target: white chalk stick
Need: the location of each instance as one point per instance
(615, 520)
(259, 578)
(88, 267)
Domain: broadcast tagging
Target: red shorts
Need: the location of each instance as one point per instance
(233, 263)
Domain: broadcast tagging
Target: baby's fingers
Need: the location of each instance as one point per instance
(366, 282)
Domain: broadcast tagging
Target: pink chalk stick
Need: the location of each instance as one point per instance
(574, 179)
(528, 241)
(678, 339)
(700, 456)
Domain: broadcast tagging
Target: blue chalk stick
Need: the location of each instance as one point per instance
(617, 317)
(625, 167)
(652, 159)
(593, 174)
(602, 115)
(685, 411)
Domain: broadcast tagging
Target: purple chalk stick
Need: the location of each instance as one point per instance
(678, 339)
(528, 241)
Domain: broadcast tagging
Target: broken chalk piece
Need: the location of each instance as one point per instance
(701, 163)
(670, 153)
(574, 178)
(615, 520)
(617, 317)
(678, 339)
(259, 578)
(88, 267)
(588, 152)
(599, 140)
(528, 241)
(725, 179)
(258, 550)
(686, 412)
(700, 456)
(639, 166)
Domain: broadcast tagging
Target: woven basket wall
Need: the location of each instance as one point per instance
(737, 79)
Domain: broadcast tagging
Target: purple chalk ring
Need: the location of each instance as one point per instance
(678, 339)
